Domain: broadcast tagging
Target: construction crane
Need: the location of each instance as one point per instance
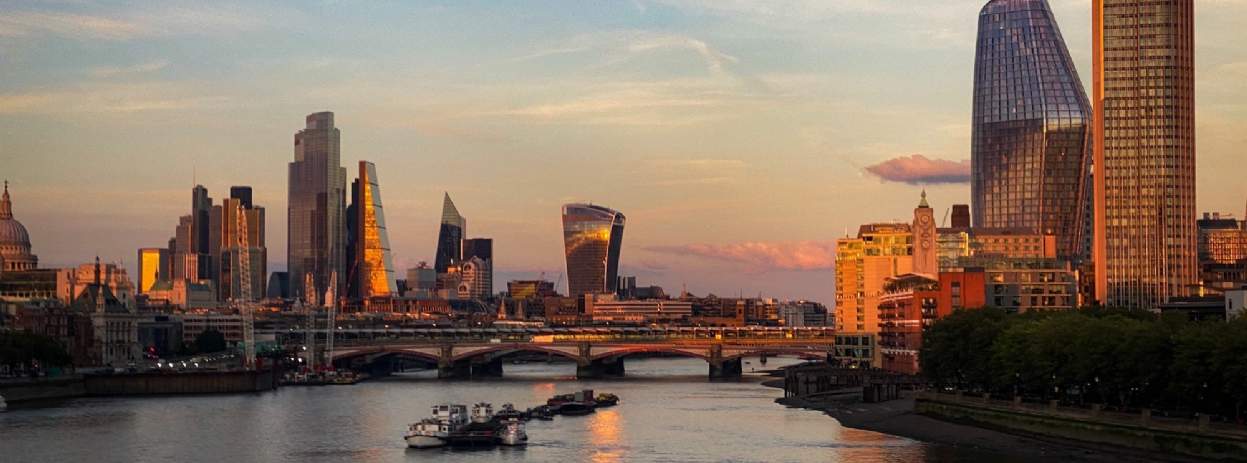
(331, 300)
(246, 305)
(309, 303)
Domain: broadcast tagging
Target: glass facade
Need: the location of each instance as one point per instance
(450, 236)
(593, 236)
(372, 245)
(1030, 154)
(153, 267)
(1143, 69)
(316, 244)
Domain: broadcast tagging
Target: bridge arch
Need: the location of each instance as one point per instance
(508, 349)
(623, 351)
(379, 352)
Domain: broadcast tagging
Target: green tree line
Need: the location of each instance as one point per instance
(1121, 359)
(20, 349)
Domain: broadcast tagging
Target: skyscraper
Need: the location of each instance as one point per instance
(153, 267)
(1143, 84)
(483, 249)
(317, 192)
(236, 223)
(593, 236)
(201, 232)
(450, 236)
(373, 267)
(1029, 154)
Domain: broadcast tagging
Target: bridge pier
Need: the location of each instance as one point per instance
(468, 369)
(723, 369)
(611, 367)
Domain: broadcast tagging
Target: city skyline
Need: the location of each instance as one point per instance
(659, 111)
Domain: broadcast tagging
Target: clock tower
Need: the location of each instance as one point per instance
(926, 261)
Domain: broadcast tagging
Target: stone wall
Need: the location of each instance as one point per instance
(212, 382)
(1194, 438)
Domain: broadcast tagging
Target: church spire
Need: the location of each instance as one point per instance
(6, 204)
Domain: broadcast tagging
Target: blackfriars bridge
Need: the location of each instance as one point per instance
(597, 351)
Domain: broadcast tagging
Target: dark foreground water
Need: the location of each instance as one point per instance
(669, 412)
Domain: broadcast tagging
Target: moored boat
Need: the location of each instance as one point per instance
(434, 431)
(512, 432)
(606, 400)
(507, 412)
(482, 412)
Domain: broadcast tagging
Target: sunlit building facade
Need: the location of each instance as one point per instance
(863, 265)
(1029, 155)
(15, 251)
(592, 236)
(1222, 253)
(153, 267)
(1143, 84)
(373, 265)
(239, 224)
(449, 236)
(316, 243)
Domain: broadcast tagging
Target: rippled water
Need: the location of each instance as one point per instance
(668, 412)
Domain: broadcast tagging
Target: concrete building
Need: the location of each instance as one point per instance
(863, 265)
(1022, 285)
(531, 289)
(237, 223)
(229, 325)
(909, 304)
(475, 279)
(421, 281)
(1222, 249)
(1143, 85)
(803, 313)
(606, 308)
(111, 275)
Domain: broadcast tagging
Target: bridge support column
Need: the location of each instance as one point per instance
(601, 368)
(720, 367)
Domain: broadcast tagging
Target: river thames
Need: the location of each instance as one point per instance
(669, 412)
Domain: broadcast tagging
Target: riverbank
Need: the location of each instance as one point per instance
(898, 418)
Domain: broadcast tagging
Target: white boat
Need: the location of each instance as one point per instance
(513, 433)
(427, 434)
(431, 432)
(482, 412)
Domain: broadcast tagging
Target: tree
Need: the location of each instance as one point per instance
(210, 341)
(956, 351)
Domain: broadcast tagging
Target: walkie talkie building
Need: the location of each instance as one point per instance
(1031, 126)
(593, 236)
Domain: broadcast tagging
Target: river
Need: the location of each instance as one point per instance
(669, 412)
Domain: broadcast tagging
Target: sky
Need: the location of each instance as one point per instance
(740, 138)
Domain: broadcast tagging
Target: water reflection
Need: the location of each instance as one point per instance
(668, 412)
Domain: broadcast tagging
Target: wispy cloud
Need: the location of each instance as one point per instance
(920, 170)
(143, 68)
(110, 98)
(760, 255)
(123, 24)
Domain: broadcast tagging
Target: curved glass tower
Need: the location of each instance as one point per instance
(1031, 126)
(372, 242)
(593, 236)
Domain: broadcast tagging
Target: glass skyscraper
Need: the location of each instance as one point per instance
(1031, 122)
(374, 267)
(593, 236)
(449, 236)
(1143, 67)
(317, 193)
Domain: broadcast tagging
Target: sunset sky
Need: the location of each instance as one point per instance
(740, 138)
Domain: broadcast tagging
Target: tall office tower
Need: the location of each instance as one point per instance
(185, 259)
(483, 249)
(1143, 67)
(926, 253)
(316, 227)
(450, 236)
(238, 224)
(201, 231)
(1029, 154)
(863, 265)
(373, 267)
(593, 236)
(153, 267)
(961, 216)
(475, 279)
(242, 194)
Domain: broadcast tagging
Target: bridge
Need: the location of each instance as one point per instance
(597, 351)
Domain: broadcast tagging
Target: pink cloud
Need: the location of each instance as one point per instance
(920, 170)
(762, 256)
